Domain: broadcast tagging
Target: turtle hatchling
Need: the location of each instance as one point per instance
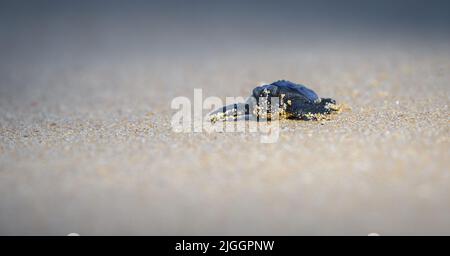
(281, 99)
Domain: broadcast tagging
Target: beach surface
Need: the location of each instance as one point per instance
(90, 149)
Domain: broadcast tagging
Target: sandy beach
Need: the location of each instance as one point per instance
(86, 143)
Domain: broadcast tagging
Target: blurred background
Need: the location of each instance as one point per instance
(47, 38)
(86, 144)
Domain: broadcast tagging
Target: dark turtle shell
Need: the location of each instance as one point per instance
(289, 89)
(298, 101)
(295, 101)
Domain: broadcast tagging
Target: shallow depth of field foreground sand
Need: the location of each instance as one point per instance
(86, 144)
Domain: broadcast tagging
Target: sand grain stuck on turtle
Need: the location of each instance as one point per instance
(281, 99)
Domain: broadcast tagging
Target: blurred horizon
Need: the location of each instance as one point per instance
(147, 24)
(43, 40)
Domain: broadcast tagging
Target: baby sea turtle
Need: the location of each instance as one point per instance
(281, 98)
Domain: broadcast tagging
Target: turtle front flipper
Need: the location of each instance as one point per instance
(232, 112)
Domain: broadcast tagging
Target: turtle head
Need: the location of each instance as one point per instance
(265, 91)
(326, 101)
(268, 101)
